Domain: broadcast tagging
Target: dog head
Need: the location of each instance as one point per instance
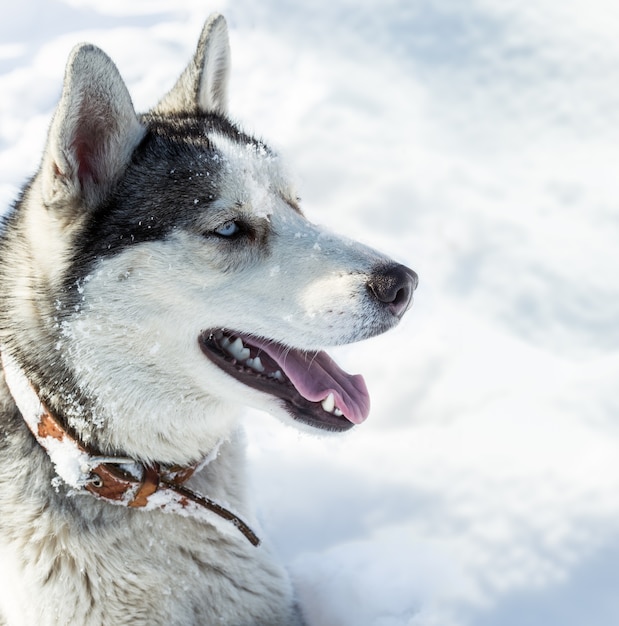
(176, 275)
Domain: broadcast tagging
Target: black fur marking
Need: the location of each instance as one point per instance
(174, 164)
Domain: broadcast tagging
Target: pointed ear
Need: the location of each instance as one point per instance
(93, 133)
(203, 86)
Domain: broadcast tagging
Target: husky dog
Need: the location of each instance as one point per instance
(156, 275)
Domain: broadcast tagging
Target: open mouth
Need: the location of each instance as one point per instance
(314, 389)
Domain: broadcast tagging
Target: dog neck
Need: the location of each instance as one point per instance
(118, 480)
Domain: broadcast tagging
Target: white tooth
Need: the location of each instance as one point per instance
(255, 364)
(238, 351)
(337, 412)
(328, 404)
(224, 343)
(277, 376)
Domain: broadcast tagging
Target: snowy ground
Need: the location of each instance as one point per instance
(478, 142)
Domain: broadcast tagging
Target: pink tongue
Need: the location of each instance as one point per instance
(315, 375)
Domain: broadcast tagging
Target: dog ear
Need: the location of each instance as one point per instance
(93, 132)
(203, 86)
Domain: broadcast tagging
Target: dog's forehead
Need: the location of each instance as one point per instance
(254, 176)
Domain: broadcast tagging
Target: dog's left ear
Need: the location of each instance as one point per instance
(203, 86)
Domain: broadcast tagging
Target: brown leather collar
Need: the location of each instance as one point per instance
(117, 480)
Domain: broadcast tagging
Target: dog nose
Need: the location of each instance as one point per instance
(393, 285)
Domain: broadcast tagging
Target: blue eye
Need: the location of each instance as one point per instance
(228, 229)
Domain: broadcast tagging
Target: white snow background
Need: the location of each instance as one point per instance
(478, 143)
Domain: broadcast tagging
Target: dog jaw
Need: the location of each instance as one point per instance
(312, 388)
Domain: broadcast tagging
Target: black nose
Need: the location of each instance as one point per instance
(393, 285)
